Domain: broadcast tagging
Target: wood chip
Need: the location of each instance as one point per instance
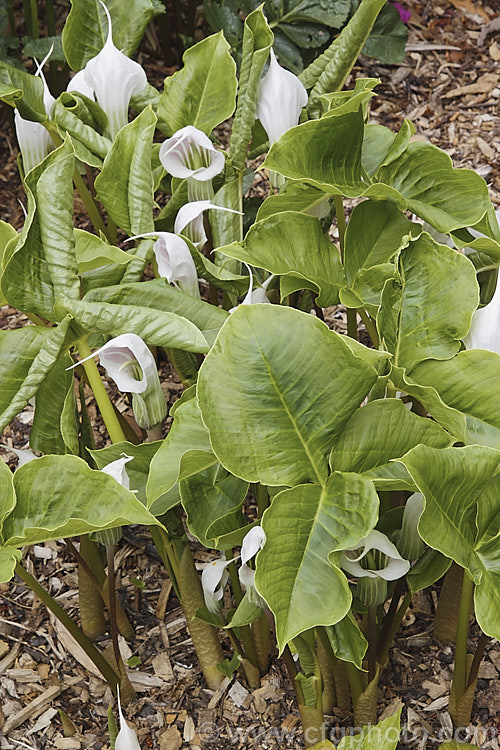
(43, 721)
(4, 649)
(171, 739)
(163, 668)
(189, 731)
(484, 85)
(219, 693)
(161, 607)
(438, 704)
(487, 671)
(435, 690)
(36, 706)
(11, 657)
(238, 694)
(67, 743)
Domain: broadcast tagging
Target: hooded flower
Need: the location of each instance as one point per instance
(174, 261)
(374, 557)
(117, 470)
(252, 543)
(374, 561)
(189, 220)
(128, 360)
(281, 99)
(126, 738)
(33, 138)
(409, 541)
(213, 579)
(255, 296)
(189, 153)
(80, 84)
(114, 78)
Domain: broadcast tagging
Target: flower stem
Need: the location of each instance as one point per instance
(262, 499)
(355, 678)
(476, 662)
(101, 396)
(372, 641)
(352, 323)
(460, 674)
(341, 225)
(110, 556)
(98, 659)
(391, 631)
(370, 326)
(35, 31)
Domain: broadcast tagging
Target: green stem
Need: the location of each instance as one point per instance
(90, 205)
(235, 581)
(35, 31)
(355, 678)
(49, 17)
(27, 17)
(476, 662)
(110, 555)
(391, 631)
(460, 674)
(370, 326)
(101, 396)
(262, 499)
(167, 554)
(98, 659)
(352, 323)
(12, 18)
(372, 642)
(36, 319)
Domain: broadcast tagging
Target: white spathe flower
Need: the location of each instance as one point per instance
(213, 579)
(190, 153)
(127, 360)
(409, 541)
(388, 564)
(174, 261)
(281, 99)
(257, 296)
(81, 85)
(252, 543)
(117, 470)
(33, 138)
(114, 78)
(189, 220)
(126, 738)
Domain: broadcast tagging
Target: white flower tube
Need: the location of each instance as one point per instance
(213, 579)
(117, 470)
(484, 332)
(252, 543)
(174, 261)
(126, 738)
(190, 153)
(129, 362)
(33, 138)
(114, 78)
(281, 99)
(189, 220)
(257, 296)
(409, 541)
(374, 561)
(81, 85)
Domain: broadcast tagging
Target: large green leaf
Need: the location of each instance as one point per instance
(43, 263)
(461, 519)
(381, 431)
(294, 243)
(347, 641)
(468, 383)
(428, 309)
(26, 357)
(21, 90)
(125, 185)
(7, 494)
(162, 329)
(158, 295)
(274, 403)
(445, 197)
(60, 496)
(257, 41)
(381, 145)
(203, 92)
(325, 153)
(212, 499)
(92, 252)
(376, 232)
(297, 574)
(137, 470)
(74, 114)
(381, 736)
(86, 28)
(9, 557)
(294, 197)
(55, 424)
(187, 433)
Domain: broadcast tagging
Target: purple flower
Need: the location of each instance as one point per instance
(404, 14)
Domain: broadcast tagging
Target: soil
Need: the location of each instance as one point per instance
(449, 86)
